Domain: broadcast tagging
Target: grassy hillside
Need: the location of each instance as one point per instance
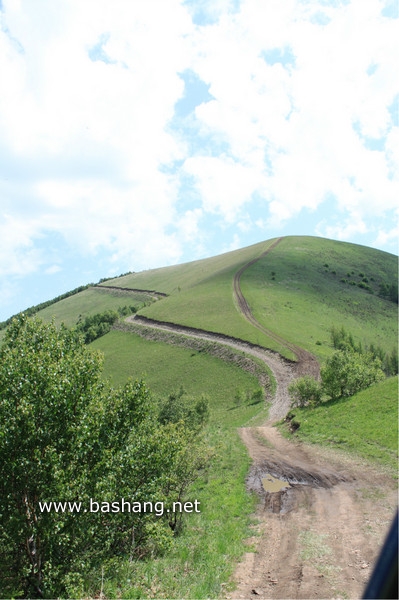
(366, 423)
(201, 294)
(91, 301)
(298, 292)
(295, 291)
(165, 367)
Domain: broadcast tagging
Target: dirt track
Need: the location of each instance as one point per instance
(319, 537)
(307, 363)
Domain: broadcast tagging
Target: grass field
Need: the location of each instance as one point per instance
(365, 424)
(201, 295)
(166, 367)
(305, 298)
(91, 301)
(296, 291)
(203, 558)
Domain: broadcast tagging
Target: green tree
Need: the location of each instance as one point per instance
(179, 407)
(305, 391)
(346, 372)
(66, 436)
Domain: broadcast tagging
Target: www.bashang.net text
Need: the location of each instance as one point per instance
(119, 506)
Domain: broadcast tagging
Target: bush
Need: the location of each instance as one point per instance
(66, 436)
(179, 407)
(305, 391)
(346, 372)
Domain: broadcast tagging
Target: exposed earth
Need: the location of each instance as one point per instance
(320, 535)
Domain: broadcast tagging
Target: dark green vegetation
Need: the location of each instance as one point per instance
(29, 312)
(365, 424)
(294, 295)
(67, 437)
(350, 369)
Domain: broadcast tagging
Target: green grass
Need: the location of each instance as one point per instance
(305, 299)
(365, 424)
(203, 557)
(165, 367)
(201, 295)
(89, 302)
(301, 303)
(179, 278)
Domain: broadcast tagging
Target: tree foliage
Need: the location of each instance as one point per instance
(350, 369)
(179, 407)
(97, 325)
(66, 436)
(347, 372)
(344, 340)
(305, 391)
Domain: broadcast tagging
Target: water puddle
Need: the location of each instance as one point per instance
(272, 484)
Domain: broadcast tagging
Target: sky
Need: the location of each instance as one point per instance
(138, 134)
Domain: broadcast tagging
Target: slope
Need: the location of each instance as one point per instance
(294, 288)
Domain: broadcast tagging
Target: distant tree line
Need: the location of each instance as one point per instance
(32, 310)
(29, 312)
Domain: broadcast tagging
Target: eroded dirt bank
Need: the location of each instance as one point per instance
(320, 537)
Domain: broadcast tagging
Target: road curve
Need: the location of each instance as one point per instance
(307, 363)
(284, 371)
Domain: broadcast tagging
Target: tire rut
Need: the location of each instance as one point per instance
(307, 363)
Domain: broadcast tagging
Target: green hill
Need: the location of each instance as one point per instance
(296, 288)
(295, 291)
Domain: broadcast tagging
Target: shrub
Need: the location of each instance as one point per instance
(346, 372)
(305, 391)
(66, 436)
(179, 407)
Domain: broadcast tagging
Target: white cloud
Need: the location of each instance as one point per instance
(390, 235)
(85, 136)
(293, 128)
(53, 269)
(17, 252)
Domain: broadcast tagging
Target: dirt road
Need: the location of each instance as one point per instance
(319, 536)
(307, 363)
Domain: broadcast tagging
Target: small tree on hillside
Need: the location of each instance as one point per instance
(305, 391)
(347, 372)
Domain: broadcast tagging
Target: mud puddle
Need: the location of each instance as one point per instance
(273, 484)
(281, 485)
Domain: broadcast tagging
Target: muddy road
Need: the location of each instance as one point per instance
(319, 537)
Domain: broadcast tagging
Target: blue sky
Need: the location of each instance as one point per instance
(135, 135)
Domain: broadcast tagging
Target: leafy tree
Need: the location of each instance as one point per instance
(95, 326)
(346, 372)
(66, 436)
(178, 407)
(305, 391)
